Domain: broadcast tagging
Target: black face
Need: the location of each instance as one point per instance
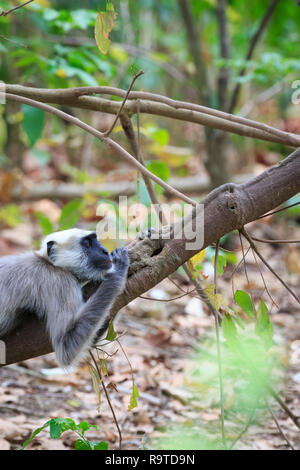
(97, 254)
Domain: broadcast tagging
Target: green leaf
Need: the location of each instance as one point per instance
(111, 334)
(159, 168)
(83, 426)
(230, 331)
(99, 445)
(35, 433)
(263, 325)
(221, 263)
(81, 444)
(33, 123)
(104, 25)
(161, 136)
(56, 429)
(70, 214)
(133, 399)
(45, 224)
(11, 215)
(245, 302)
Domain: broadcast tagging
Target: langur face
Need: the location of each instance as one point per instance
(97, 255)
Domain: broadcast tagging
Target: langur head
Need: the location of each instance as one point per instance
(79, 252)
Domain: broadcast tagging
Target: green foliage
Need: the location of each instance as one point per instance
(44, 223)
(263, 325)
(160, 136)
(11, 215)
(249, 367)
(244, 301)
(133, 398)
(160, 169)
(57, 426)
(33, 123)
(104, 25)
(70, 214)
(111, 334)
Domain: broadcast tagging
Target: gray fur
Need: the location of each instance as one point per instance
(32, 282)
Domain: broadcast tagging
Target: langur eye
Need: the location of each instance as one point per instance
(87, 243)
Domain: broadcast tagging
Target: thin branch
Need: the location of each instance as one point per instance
(123, 103)
(168, 300)
(245, 429)
(101, 379)
(151, 103)
(196, 52)
(5, 13)
(224, 72)
(107, 140)
(135, 146)
(245, 266)
(222, 398)
(253, 246)
(262, 240)
(263, 280)
(253, 42)
(294, 418)
(216, 264)
(278, 425)
(278, 210)
(13, 42)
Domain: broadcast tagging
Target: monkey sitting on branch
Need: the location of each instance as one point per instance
(48, 283)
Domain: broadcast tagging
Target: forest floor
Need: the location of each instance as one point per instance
(166, 342)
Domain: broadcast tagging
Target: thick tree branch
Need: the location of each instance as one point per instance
(226, 208)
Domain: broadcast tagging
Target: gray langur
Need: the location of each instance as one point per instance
(48, 283)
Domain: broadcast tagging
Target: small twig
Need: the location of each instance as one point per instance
(294, 418)
(253, 42)
(224, 72)
(261, 240)
(278, 210)
(5, 13)
(278, 425)
(222, 402)
(245, 266)
(263, 280)
(253, 246)
(236, 268)
(13, 42)
(245, 429)
(106, 133)
(169, 300)
(107, 140)
(108, 399)
(216, 265)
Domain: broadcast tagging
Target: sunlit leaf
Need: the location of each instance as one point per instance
(133, 399)
(217, 300)
(104, 25)
(244, 301)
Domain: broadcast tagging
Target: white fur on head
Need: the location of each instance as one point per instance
(63, 239)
